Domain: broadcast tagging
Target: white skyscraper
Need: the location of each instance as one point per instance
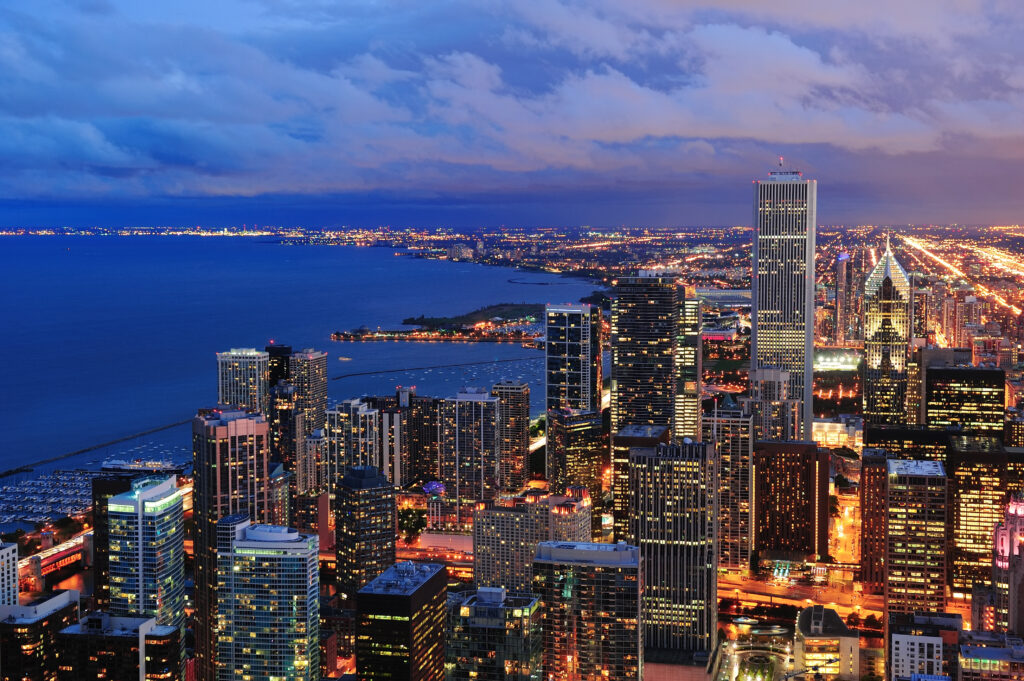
(785, 215)
(8, 574)
(243, 375)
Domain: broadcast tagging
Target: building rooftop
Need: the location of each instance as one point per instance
(402, 579)
(364, 477)
(819, 621)
(642, 431)
(244, 352)
(223, 415)
(475, 395)
(611, 555)
(916, 468)
(568, 307)
(103, 624)
(1012, 652)
(38, 608)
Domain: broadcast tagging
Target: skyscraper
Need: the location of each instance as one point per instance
(573, 374)
(590, 605)
(842, 293)
(916, 545)
(307, 371)
(353, 438)
(513, 432)
(268, 602)
(103, 647)
(646, 342)
(505, 535)
(874, 474)
(147, 552)
(790, 498)
(728, 430)
(887, 334)
(28, 635)
(232, 475)
(1008, 569)
(365, 503)
(105, 486)
(576, 450)
(400, 624)
(243, 378)
(689, 368)
(278, 362)
(782, 318)
(672, 522)
(287, 425)
(8, 574)
(470, 451)
(776, 414)
(493, 635)
(970, 398)
(622, 443)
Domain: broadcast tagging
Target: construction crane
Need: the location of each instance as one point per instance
(815, 668)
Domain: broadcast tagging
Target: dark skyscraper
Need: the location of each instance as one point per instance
(622, 443)
(576, 450)
(573, 354)
(365, 527)
(513, 432)
(279, 359)
(971, 398)
(874, 473)
(791, 498)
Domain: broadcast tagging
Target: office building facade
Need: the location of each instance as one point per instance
(119, 648)
(28, 635)
(971, 399)
(888, 328)
(513, 433)
(623, 441)
(573, 373)
(790, 499)
(365, 527)
(493, 635)
(576, 450)
(729, 431)
(469, 444)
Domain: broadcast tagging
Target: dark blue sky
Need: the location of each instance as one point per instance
(489, 112)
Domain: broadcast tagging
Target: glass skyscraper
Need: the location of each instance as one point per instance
(887, 333)
(573, 355)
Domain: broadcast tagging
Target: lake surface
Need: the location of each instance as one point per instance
(109, 336)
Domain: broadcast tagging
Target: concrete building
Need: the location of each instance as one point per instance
(776, 413)
(8, 574)
(307, 371)
(593, 628)
(365, 503)
(353, 438)
(729, 431)
(469, 443)
(513, 433)
(243, 379)
(782, 314)
(790, 499)
(572, 348)
(823, 640)
(874, 475)
(924, 643)
(400, 625)
(28, 635)
(119, 649)
(268, 602)
(625, 439)
(493, 636)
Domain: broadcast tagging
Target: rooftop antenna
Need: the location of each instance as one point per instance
(780, 161)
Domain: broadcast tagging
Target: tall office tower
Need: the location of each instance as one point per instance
(243, 379)
(493, 636)
(909, 442)
(924, 645)
(776, 414)
(505, 535)
(1008, 569)
(287, 426)
(572, 346)
(8, 574)
(790, 498)
(470, 450)
(394, 445)
(646, 342)
(842, 293)
(365, 503)
(916, 548)
(967, 310)
(268, 602)
(400, 623)
(278, 362)
(823, 641)
(423, 432)
(920, 313)
(921, 360)
(103, 647)
(622, 442)
(782, 318)
(689, 368)
(353, 438)
(576, 450)
(147, 552)
(874, 473)
(887, 336)
(729, 431)
(103, 488)
(307, 371)
(590, 605)
(28, 635)
(232, 475)
(971, 398)
(514, 433)
(672, 522)
(977, 470)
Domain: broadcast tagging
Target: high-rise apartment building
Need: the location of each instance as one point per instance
(572, 348)
(400, 624)
(513, 432)
(307, 371)
(970, 398)
(842, 295)
(874, 474)
(147, 552)
(365, 527)
(689, 367)
(243, 379)
(887, 334)
(790, 498)
(776, 414)
(493, 635)
(505, 535)
(977, 468)
(924, 645)
(287, 425)
(119, 648)
(622, 442)
(8, 574)
(591, 613)
(268, 602)
(103, 488)
(576, 450)
(782, 315)
(353, 438)
(28, 635)
(232, 475)
(470, 451)
(729, 431)
(672, 522)
(916, 547)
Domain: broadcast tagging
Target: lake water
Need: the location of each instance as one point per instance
(108, 336)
